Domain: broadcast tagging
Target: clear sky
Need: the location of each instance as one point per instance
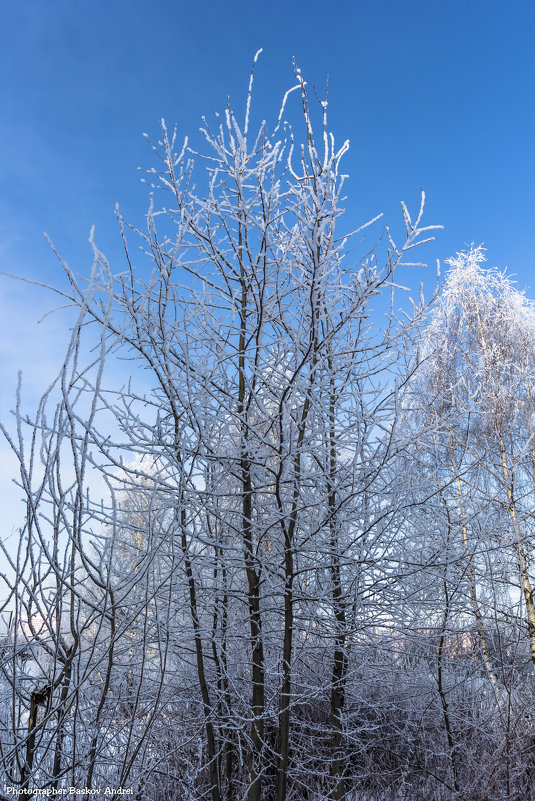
(431, 94)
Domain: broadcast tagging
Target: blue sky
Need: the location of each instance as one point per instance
(431, 94)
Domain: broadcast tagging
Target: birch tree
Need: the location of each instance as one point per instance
(474, 454)
(482, 372)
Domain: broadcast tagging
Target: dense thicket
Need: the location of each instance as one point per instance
(311, 574)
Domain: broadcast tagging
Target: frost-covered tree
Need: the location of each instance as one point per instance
(230, 603)
(472, 405)
(480, 377)
(75, 669)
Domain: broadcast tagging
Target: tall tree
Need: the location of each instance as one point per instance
(250, 477)
(480, 377)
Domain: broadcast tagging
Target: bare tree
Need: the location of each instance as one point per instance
(242, 568)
